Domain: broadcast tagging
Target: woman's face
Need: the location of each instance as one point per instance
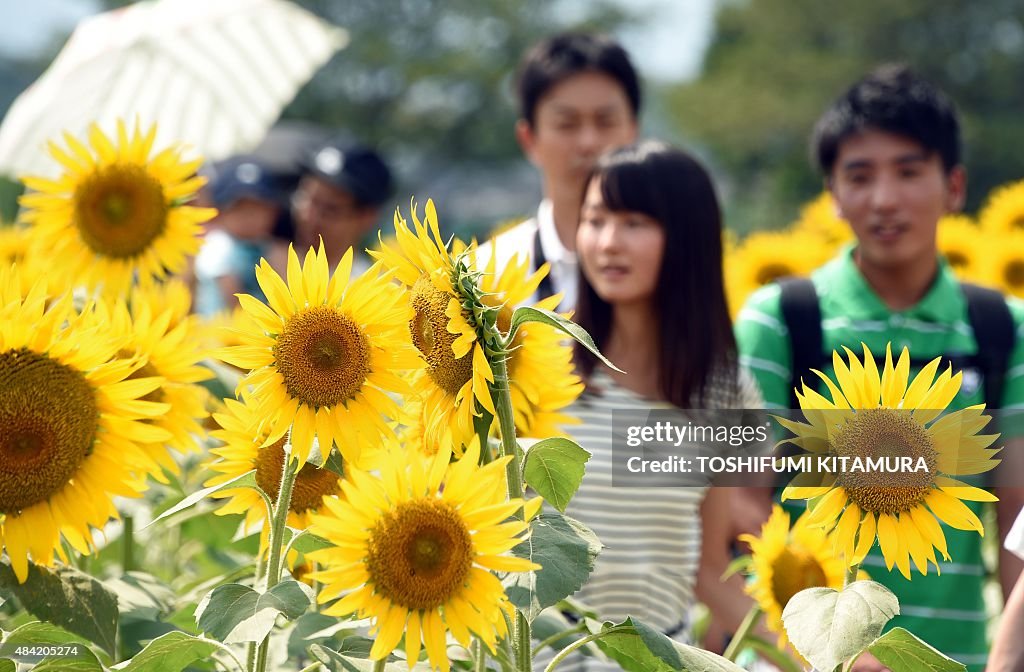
(620, 252)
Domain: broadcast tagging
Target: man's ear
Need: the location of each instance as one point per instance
(526, 138)
(956, 189)
(829, 186)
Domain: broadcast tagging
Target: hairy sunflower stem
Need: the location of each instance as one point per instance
(277, 527)
(378, 665)
(564, 653)
(482, 424)
(736, 643)
(502, 398)
(479, 658)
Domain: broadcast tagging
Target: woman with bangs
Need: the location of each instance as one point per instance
(649, 244)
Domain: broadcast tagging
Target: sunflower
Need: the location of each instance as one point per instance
(116, 212)
(787, 561)
(821, 218)
(1004, 261)
(415, 547)
(14, 241)
(457, 370)
(324, 353)
(245, 448)
(959, 240)
(71, 421)
(1003, 211)
(171, 352)
(540, 368)
(872, 416)
(766, 256)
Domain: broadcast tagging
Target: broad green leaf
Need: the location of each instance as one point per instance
(69, 598)
(141, 596)
(339, 662)
(7, 665)
(524, 314)
(828, 627)
(171, 653)
(42, 634)
(554, 468)
(307, 542)
(901, 651)
(236, 613)
(565, 549)
(637, 647)
(311, 628)
(246, 480)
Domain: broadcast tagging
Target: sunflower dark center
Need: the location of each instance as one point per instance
(323, 356)
(771, 272)
(1013, 273)
(793, 571)
(120, 210)
(892, 435)
(48, 421)
(420, 554)
(430, 335)
(956, 259)
(311, 484)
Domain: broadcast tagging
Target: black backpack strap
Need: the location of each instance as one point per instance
(545, 288)
(798, 303)
(995, 335)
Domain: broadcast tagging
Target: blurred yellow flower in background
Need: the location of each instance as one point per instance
(117, 213)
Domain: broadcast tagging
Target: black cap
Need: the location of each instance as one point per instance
(353, 167)
(244, 177)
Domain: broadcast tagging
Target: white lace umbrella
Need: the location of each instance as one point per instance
(214, 74)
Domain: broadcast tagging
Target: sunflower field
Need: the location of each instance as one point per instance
(334, 478)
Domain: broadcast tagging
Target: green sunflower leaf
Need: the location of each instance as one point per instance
(68, 598)
(565, 549)
(901, 651)
(524, 314)
(554, 468)
(637, 647)
(828, 627)
(246, 480)
(36, 633)
(172, 652)
(236, 613)
(338, 662)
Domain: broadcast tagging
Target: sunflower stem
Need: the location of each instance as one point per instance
(851, 574)
(557, 636)
(564, 653)
(378, 665)
(502, 398)
(479, 659)
(748, 624)
(277, 527)
(128, 539)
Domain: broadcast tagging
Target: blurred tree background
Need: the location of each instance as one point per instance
(774, 65)
(429, 82)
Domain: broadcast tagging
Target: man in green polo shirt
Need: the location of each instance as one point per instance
(890, 152)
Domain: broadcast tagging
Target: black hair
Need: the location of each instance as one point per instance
(552, 61)
(895, 99)
(695, 332)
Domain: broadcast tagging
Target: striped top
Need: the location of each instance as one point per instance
(652, 535)
(948, 611)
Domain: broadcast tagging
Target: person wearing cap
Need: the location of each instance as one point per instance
(251, 203)
(338, 200)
